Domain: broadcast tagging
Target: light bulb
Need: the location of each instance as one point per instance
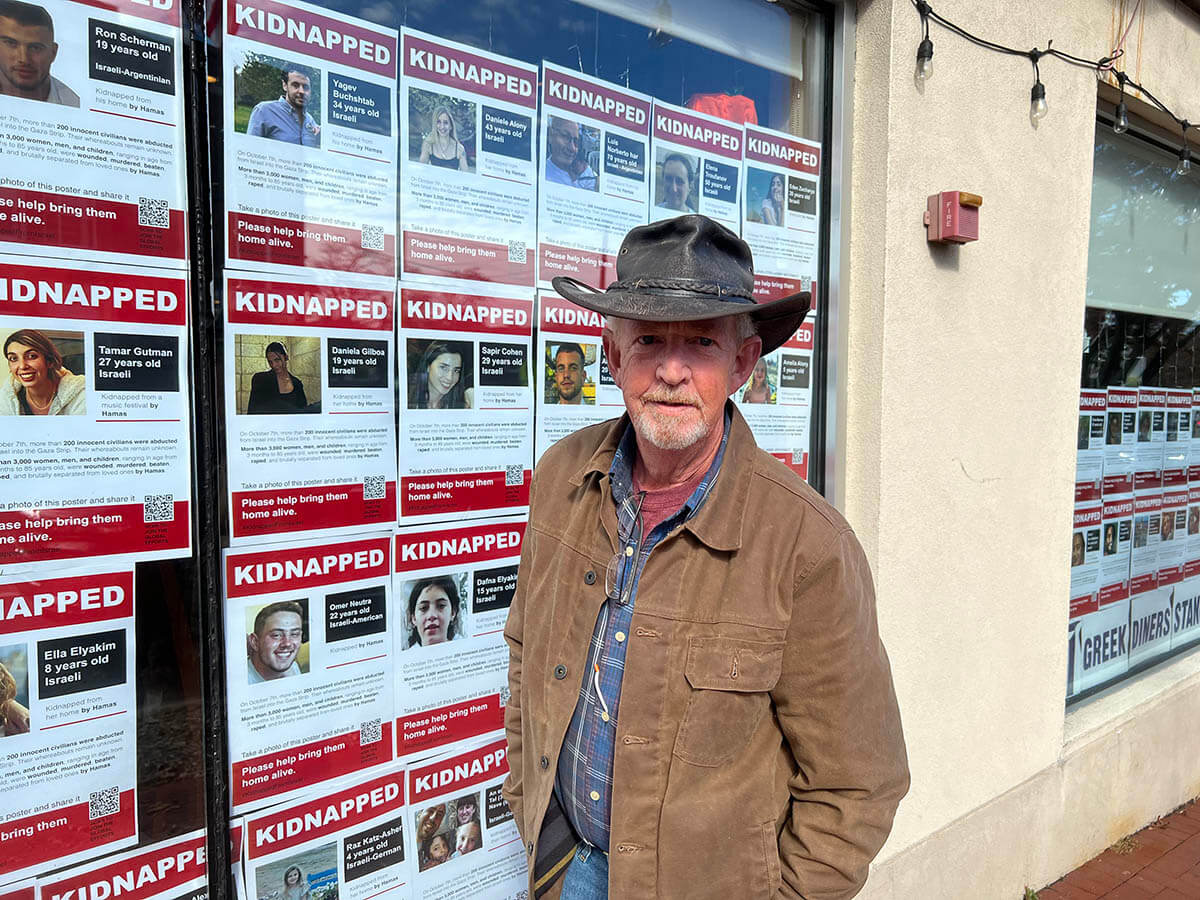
(1121, 123)
(924, 60)
(1037, 103)
(1185, 162)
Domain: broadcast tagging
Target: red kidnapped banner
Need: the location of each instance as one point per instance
(459, 772)
(254, 302)
(476, 74)
(51, 835)
(447, 724)
(781, 151)
(465, 492)
(458, 546)
(165, 11)
(68, 293)
(136, 877)
(287, 569)
(292, 243)
(325, 814)
(605, 103)
(265, 776)
(462, 312)
(286, 511)
(700, 134)
(58, 602)
(82, 223)
(560, 315)
(596, 269)
(311, 34)
(50, 534)
(432, 254)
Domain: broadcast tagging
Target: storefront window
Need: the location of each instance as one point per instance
(1135, 552)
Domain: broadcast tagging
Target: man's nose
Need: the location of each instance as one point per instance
(673, 367)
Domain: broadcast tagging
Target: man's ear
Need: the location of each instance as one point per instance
(612, 352)
(252, 642)
(743, 362)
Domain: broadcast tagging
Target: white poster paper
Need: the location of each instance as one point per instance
(466, 429)
(464, 842)
(1089, 444)
(1116, 546)
(345, 842)
(92, 136)
(1086, 555)
(68, 742)
(1120, 441)
(309, 406)
(781, 219)
(594, 141)
(1151, 438)
(453, 587)
(309, 665)
(468, 172)
(575, 387)
(95, 443)
(176, 869)
(237, 852)
(310, 139)
(697, 166)
(776, 400)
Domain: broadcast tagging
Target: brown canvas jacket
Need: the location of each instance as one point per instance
(759, 750)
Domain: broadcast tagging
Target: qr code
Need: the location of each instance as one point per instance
(153, 213)
(374, 487)
(521, 895)
(798, 457)
(514, 476)
(516, 252)
(104, 803)
(505, 696)
(158, 508)
(372, 237)
(370, 732)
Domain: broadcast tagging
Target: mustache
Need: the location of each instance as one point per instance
(684, 397)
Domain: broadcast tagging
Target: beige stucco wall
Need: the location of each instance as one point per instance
(961, 381)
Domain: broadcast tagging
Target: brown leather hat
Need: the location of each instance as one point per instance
(686, 269)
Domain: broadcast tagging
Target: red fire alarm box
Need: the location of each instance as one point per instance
(953, 217)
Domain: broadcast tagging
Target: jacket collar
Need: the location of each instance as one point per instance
(718, 523)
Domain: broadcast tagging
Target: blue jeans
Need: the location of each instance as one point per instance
(587, 875)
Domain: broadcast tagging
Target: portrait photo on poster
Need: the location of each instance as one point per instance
(309, 875)
(763, 382)
(572, 153)
(277, 99)
(447, 831)
(765, 196)
(45, 373)
(441, 130)
(277, 374)
(27, 54)
(571, 373)
(676, 180)
(441, 374)
(277, 640)
(435, 609)
(14, 690)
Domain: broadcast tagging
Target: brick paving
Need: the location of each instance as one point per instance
(1160, 861)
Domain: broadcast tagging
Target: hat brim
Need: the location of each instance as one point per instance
(776, 321)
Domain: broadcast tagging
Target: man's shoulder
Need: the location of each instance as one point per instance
(566, 456)
(781, 493)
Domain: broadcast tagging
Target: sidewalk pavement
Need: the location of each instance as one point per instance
(1160, 861)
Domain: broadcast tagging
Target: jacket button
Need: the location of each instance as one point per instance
(589, 577)
(560, 671)
(530, 848)
(544, 763)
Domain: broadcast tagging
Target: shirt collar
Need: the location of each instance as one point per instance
(718, 521)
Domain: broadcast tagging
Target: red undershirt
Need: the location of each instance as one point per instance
(658, 506)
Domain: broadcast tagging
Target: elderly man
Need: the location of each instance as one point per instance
(287, 118)
(700, 703)
(564, 163)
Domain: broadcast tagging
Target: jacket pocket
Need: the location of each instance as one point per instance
(729, 680)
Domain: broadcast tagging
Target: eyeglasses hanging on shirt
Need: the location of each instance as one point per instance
(618, 577)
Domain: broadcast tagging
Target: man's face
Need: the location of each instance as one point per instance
(275, 647)
(676, 376)
(676, 185)
(26, 52)
(564, 142)
(297, 90)
(568, 375)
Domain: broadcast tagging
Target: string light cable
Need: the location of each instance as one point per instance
(1037, 94)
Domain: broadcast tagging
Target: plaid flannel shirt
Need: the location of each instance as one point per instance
(583, 781)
